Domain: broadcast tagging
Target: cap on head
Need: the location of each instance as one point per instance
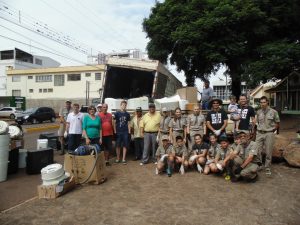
(68, 101)
(99, 105)
(242, 132)
(151, 105)
(138, 109)
(223, 139)
(165, 138)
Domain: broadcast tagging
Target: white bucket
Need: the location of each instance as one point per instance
(3, 171)
(42, 143)
(4, 154)
(14, 131)
(3, 127)
(4, 140)
(22, 158)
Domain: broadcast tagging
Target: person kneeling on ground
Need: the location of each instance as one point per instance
(200, 150)
(165, 156)
(210, 165)
(223, 154)
(180, 150)
(244, 160)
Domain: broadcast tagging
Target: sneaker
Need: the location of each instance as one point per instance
(169, 172)
(141, 164)
(268, 172)
(124, 162)
(155, 163)
(117, 161)
(227, 177)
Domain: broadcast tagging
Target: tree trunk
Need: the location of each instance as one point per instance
(190, 79)
(235, 74)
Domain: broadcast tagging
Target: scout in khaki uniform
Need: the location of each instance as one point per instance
(268, 122)
(177, 126)
(165, 156)
(236, 142)
(210, 165)
(180, 152)
(223, 154)
(164, 124)
(244, 159)
(195, 125)
(200, 149)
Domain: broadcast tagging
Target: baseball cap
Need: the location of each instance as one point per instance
(68, 101)
(138, 109)
(164, 137)
(164, 109)
(242, 132)
(99, 105)
(151, 105)
(223, 139)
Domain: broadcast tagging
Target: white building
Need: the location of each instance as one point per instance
(18, 59)
(223, 90)
(53, 86)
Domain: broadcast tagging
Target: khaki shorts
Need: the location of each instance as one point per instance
(61, 130)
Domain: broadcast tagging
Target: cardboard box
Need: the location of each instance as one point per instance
(188, 93)
(16, 144)
(54, 191)
(82, 166)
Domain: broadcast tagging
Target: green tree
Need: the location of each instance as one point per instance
(255, 40)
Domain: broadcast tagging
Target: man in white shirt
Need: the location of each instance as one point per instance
(74, 127)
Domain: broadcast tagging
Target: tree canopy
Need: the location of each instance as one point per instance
(256, 40)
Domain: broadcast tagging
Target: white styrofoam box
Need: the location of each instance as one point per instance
(42, 143)
(133, 103)
(113, 103)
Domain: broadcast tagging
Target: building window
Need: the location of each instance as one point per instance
(38, 61)
(45, 90)
(87, 74)
(59, 80)
(43, 78)
(9, 54)
(50, 90)
(40, 90)
(30, 77)
(30, 90)
(16, 93)
(16, 78)
(97, 76)
(74, 77)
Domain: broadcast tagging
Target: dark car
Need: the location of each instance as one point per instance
(37, 115)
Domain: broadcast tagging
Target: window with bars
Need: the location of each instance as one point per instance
(43, 78)
(16, 92)
(16, 78)
(97, 76)
(59, 80)
(74, 77)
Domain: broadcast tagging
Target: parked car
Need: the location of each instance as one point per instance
(10, 112)
(37, 115)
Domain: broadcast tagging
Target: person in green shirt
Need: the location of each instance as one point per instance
(91, 127)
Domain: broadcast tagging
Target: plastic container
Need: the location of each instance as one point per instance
(3, 127)
(42, 143)
(22, 158)
(14, 132)
(3, 171)
(4, 141)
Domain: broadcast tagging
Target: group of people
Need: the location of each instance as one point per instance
(181, 142)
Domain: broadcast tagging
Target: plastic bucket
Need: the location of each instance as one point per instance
(14, 131)
(4, 141)
(42, 143)
(3, 171)
(22, 158)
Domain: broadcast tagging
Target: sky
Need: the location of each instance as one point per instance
(92, 26)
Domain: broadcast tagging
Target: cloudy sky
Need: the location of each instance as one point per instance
(91, 26)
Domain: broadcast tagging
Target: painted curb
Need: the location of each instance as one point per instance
(36, 129)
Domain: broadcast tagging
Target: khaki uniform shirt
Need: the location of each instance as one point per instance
(162, 151)
(222, 153)
(135, 124)
(267, 119)
(212, 151)
(180, 150)
(178, 124)
(245, 152)
(150, 123)
(196, 122)
(164, 124)
(64, 112)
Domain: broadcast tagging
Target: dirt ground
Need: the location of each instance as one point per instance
(133, 194)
